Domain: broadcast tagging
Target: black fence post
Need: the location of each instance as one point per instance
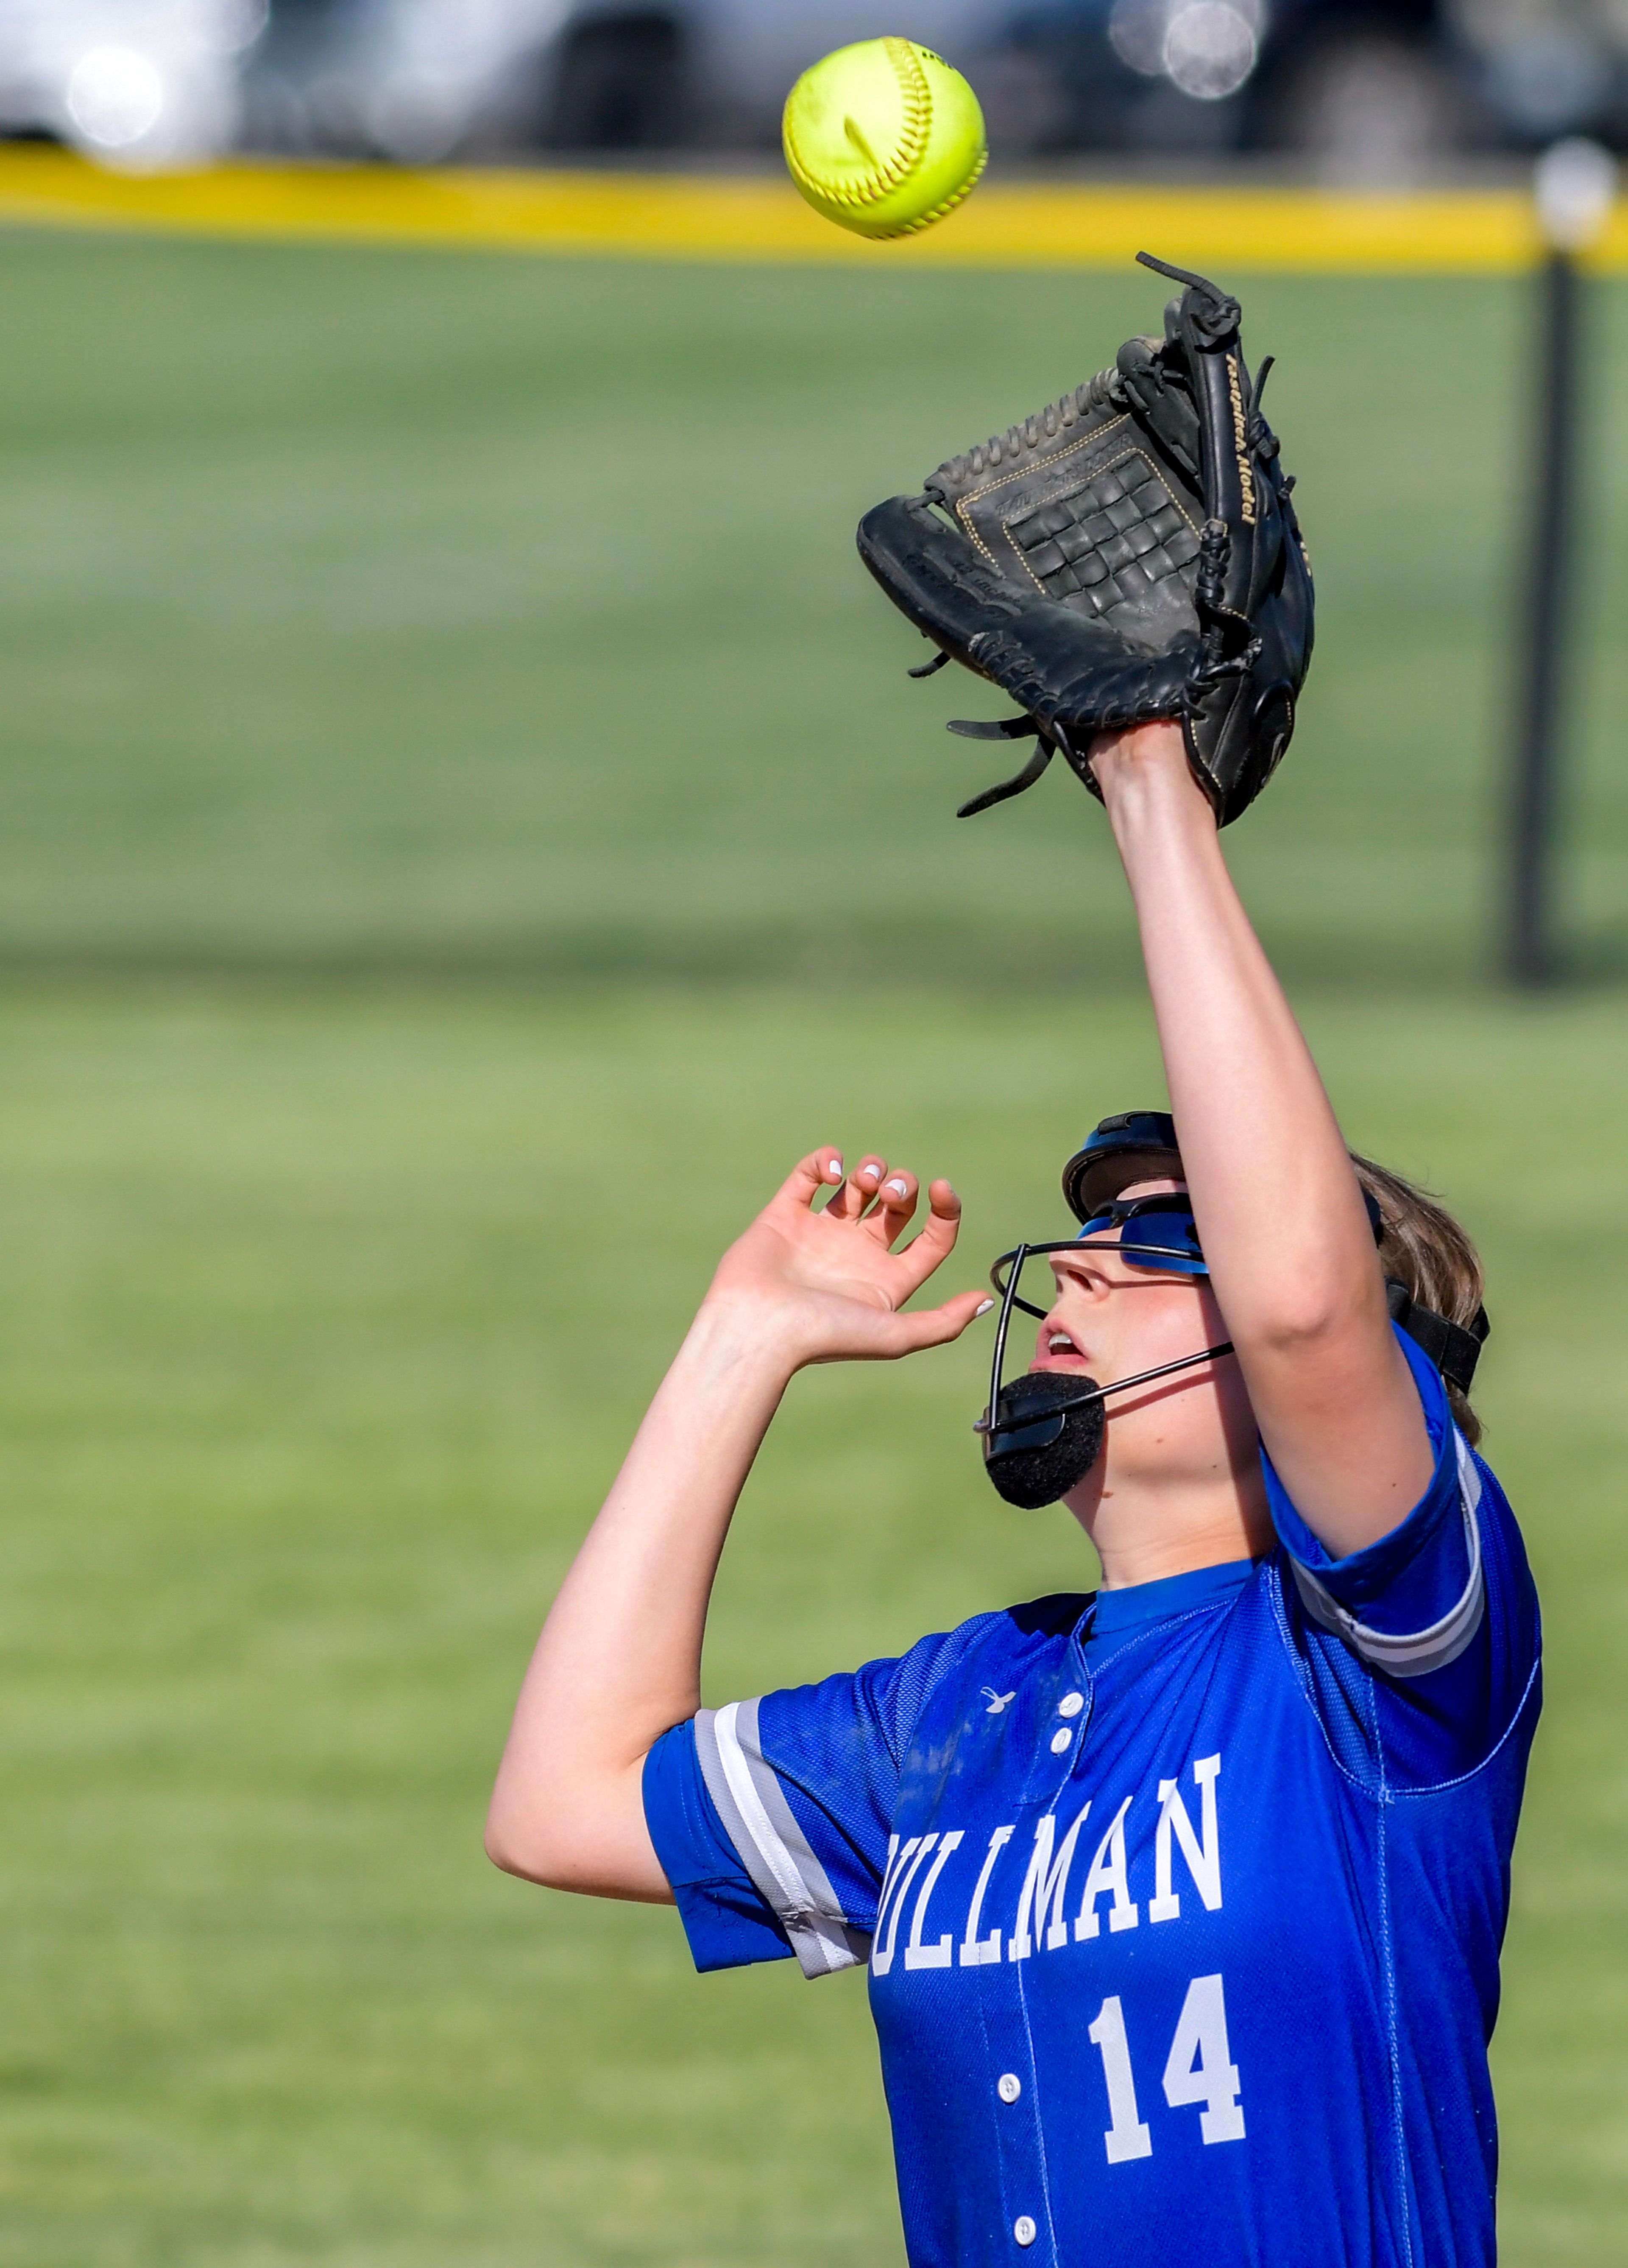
(1576, 183)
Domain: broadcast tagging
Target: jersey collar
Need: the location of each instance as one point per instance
(1118, 1613)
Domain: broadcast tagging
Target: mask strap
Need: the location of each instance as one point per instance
(1453, 1348)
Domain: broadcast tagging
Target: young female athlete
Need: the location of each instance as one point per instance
(1182, 1902)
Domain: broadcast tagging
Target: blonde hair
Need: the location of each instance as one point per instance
(1424, 1248)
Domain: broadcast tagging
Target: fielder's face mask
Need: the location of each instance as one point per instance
(1048, 1425)
(1043, 1433)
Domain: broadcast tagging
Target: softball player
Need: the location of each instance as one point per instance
(1182, 1901)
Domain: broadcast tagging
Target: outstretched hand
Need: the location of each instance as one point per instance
(828, 1285)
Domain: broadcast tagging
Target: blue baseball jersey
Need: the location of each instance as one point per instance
(1182, 1905)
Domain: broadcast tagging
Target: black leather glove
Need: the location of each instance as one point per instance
(1129, 553)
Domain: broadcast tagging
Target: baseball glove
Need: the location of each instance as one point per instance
(1129, 553)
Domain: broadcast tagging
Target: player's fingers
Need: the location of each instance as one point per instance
(944, 1220)
(851, 1201)
(896, 1202)
(810, 1174)
(937, 1240)
(937, 1326)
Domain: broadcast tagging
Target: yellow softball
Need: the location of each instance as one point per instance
(883, 137)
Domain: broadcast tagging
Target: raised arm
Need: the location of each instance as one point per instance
(618, 1661)
(1279, 1211)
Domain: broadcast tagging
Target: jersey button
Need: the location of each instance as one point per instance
(1023, 2230)
(1060, 1739)
(1071, 1705)
(1008, 2086)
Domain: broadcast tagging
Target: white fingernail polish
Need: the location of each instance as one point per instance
(899, 1186)
(835, 1169)
(983, 1307)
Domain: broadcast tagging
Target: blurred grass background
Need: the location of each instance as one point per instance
(465, 827)
(476, 614)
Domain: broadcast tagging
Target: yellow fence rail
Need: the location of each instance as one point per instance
(722, 217)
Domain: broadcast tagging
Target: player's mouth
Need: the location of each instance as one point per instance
(1058, 1351)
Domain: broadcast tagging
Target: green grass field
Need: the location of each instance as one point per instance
(465, 827)
(381, 610)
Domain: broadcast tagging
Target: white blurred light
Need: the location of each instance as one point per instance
(223, 27)
(115, 97)
(1209, 49)
(1136, 29)
(1575, 184)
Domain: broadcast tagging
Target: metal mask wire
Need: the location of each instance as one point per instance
(1017, 1257)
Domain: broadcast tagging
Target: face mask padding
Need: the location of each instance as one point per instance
(1034, 1452)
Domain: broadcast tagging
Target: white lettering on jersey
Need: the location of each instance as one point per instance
(1127, 2137)
(1045, 1885)
(1109, 1871)
(1203, 1861)
(975, 1952)
(918, 1955)
(895, 1890)
(1039, 1920)
(1200, 2068)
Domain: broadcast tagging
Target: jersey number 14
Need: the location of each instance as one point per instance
(1198, 2069)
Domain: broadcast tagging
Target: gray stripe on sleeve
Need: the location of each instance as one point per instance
(773, 1847)
(1415, 1653)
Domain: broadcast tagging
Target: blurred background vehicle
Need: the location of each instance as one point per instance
(1357, 89)
(139, 82)
(1361, 88)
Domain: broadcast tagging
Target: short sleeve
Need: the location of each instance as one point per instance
(1442, 1609)
(770, 1817)
(727, 1920)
